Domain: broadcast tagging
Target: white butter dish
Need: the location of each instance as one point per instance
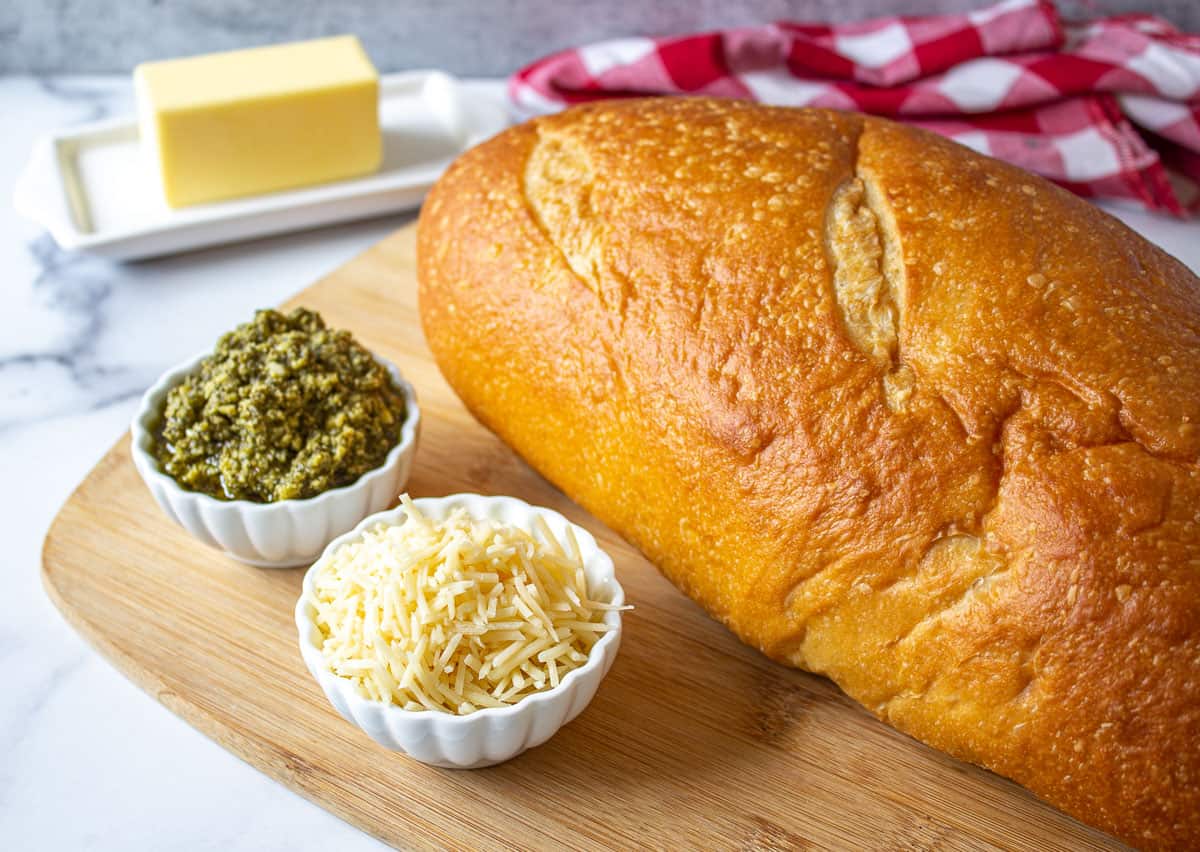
(94, 189)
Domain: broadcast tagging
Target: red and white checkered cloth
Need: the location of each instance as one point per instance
(1098, 107)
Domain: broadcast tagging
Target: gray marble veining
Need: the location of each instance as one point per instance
(65, 372)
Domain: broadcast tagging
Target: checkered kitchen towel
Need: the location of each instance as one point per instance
(1099, 107)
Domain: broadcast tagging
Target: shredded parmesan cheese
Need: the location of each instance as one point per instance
(457, 615)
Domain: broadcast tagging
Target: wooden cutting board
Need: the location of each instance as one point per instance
(694, 741)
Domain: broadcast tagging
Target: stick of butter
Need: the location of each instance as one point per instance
(252, 121)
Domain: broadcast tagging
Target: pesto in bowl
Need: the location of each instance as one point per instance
(283, 409)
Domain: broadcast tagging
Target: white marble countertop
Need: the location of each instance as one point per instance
(88, 760)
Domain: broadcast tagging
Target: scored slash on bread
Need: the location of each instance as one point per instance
(892, 411)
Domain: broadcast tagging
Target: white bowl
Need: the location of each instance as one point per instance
(493, 734)
(288, 532)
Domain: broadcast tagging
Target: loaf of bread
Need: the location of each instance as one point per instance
(894, 412)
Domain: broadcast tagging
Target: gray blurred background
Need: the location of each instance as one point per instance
(468, 37)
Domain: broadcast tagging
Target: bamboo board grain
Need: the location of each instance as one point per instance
(693, 741)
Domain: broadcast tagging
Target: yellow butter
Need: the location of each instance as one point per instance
(259, 120)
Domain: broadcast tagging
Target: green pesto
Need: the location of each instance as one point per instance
(283, 409)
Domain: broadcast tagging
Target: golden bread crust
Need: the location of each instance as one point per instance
(892, 411)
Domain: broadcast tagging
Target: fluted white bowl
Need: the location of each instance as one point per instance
(493, 734)
(284, 533)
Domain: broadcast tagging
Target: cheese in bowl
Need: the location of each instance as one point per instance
(458, 613)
